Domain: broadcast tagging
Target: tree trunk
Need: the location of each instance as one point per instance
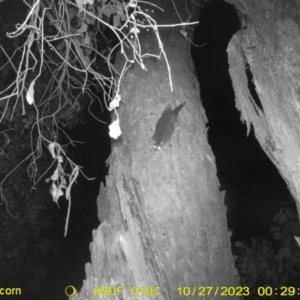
(163, 223)
(269, 46)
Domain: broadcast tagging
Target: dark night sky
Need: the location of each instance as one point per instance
(254, 187)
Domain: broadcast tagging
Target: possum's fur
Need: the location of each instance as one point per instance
(166, 125)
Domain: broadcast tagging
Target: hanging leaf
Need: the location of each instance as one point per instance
(117, 21)
(183, 32)
(51, 148)
(56, 192)
(90, 20)
(88, 52)
(30, 93)
(73, 12)
(109, 10)
(83, 28)
(87, 39)
(114, 129)
(87, 59)
(133, 3)
(7, 139)
(61, 45)
(120, 9)
(60, 159)
(55, 175)
(80, 3)
(115, 103)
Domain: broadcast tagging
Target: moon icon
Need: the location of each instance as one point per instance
(70, 291)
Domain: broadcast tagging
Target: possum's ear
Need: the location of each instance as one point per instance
(167, 108)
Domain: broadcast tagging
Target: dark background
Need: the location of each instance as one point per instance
(254, 188)
(255, 191)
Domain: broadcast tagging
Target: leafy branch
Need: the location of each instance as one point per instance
(55, 69)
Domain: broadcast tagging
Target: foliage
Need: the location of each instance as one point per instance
(61, 57)
(55, 62)
(25, 239)
(275, 261)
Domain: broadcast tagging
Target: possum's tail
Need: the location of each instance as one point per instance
(178, 108)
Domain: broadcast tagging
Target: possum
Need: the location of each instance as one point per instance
(166, 125)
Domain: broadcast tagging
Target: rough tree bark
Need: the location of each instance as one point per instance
(162, 216)
(269, 46)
